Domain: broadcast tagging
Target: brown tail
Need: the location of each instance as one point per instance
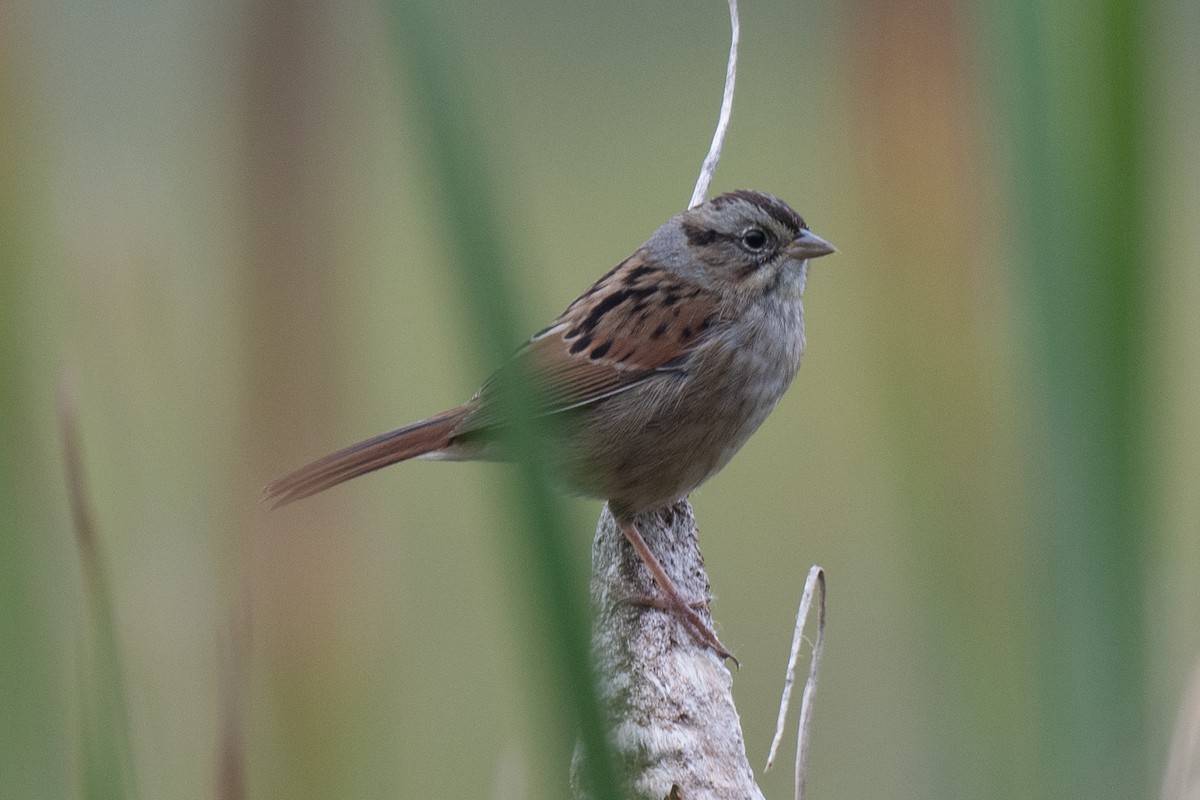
(411, 441)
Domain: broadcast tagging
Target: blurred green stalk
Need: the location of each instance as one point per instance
(477, 245)
(106, 768)
(1077, 70)
(32, 744)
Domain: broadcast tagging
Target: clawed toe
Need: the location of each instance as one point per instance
(687, 614)
(703, 632)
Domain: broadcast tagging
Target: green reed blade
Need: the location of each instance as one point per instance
(106, 767)
(1077, 112)
(460, 175)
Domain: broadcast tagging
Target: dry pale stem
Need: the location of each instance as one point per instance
(1182, 779)
(668, 698)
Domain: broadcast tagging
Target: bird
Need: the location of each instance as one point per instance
(648, 383)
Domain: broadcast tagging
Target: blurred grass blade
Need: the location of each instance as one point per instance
(460, 177)
(1077, 109)
(32, 747)
(231, 694)
(106, 766)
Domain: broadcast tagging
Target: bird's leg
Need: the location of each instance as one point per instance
(674, 600)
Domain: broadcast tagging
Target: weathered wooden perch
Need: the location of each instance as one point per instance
(668, 699)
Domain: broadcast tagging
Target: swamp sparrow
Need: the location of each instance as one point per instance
(653, 378)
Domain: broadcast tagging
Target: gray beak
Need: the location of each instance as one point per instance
(809, 245)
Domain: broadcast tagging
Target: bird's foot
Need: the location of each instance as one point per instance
(687, 614)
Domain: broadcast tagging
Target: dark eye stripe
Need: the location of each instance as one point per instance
(699, 236)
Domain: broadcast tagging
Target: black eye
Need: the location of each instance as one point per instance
(754, 239)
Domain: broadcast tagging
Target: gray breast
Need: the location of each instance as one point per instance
(654, 444)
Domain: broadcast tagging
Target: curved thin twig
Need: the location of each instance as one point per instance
(709, 167)
(815, 580)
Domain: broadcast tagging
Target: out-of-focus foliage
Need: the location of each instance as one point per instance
(224, 215)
